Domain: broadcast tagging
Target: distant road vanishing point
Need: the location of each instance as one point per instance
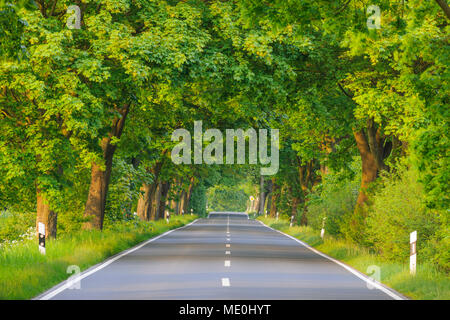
(224, 256)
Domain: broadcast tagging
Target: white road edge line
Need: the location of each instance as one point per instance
(225, 282)
(360, 275)
(53, 292)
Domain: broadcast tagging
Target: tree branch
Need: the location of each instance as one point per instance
(53, 7)
(443, 4)
(350, 95)
(42, 8)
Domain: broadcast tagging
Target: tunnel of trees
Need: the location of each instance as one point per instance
(86, 115)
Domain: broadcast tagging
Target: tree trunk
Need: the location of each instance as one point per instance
(155, 202)
(444, 6)
(295, 202)
(165, 187)
(144, 201)
(95, 205)
(261, 195)
(256, 205)
(98, 189)
(172, 197)
(182, 202)
(304, 218)
(269, 202)
(274, 199)
(307, 180)
(269, 196)
(369, 166)
(188, 195)
(45, 215)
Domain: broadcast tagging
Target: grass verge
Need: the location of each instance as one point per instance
(428, 283)
(25, 273)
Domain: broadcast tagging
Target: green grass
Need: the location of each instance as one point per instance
(25, 273)
(428, 283)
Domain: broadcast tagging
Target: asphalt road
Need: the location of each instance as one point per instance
(225, 256)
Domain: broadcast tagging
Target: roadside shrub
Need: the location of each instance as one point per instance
(124, 190)
(13, 225)
(198, 200)
(333, 198)
(398, 209)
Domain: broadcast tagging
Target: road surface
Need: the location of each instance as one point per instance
(224, 256)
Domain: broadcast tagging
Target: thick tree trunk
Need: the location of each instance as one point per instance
(46, 216)
(179, 202)
(172, 197)
(274, 199)
(369, 166)
(172, 205)
(269, 203)
(98, 189)
(183, 200)
(256, 205)
(155, 202)
(307, 180)
(304, 218)
(294, 206)
(165, 187)
(144, 201)
(96, 202)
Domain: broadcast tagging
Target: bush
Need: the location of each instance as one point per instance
(14, 225)
(198, 201)
(334, 198)
(398, 209)
(124, 190)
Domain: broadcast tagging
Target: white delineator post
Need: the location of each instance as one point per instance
(413, 252)
(266, 213)
(277, 215)
(41, 228)
(322, 232)
(192, 212)
(292, 220)
(167, 216)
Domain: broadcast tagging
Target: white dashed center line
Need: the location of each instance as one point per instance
(227, 263)
(227, 252)
(225, 282)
